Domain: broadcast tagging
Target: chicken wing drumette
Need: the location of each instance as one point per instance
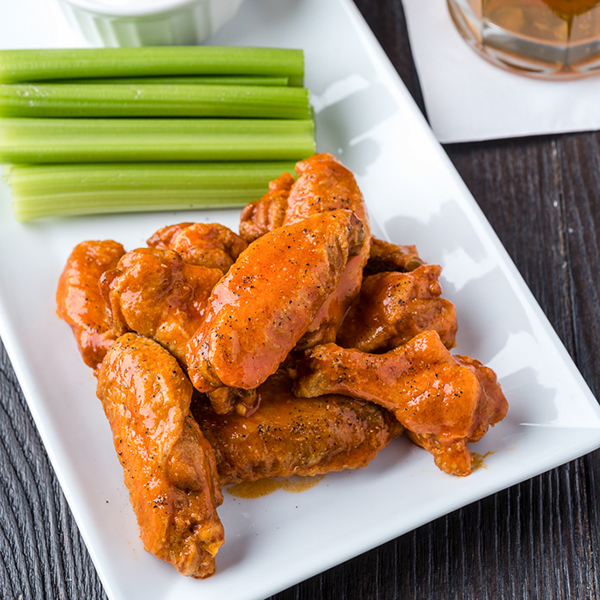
(444, 402)
(169, 467)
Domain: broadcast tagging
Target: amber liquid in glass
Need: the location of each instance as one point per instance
(543, 38)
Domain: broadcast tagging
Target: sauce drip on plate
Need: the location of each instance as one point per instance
(264, 487)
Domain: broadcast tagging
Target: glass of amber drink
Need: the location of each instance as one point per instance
(548, 39)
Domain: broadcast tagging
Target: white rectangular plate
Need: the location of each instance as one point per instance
(366, 117)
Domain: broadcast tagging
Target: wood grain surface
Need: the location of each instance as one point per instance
(539, 539)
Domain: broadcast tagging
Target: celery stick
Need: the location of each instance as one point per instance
(115, 100)
(61, 190)
(48, 64)
(201, 79)
(163, 140)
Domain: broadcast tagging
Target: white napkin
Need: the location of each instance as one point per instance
(469, 99)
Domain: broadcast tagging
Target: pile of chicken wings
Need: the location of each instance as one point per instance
(299, 346)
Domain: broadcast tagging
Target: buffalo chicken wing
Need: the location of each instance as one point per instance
(169, 467)
(444, 402)
(80, 303)
(323, 185)
(155, 293)
(259, 311)
(394, 307)
(204, 244)
(289, 436)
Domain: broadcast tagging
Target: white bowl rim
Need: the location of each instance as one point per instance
(110, 10)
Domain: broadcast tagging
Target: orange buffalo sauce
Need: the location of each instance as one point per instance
(263, 487)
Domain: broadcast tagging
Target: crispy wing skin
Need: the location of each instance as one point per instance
(394, 307)
(268, 212)
(385, 256)
(204, 244)
(156, 294)
(169, 467)
(289, 436)
(257, 313)
(80, 302)
(444, 402)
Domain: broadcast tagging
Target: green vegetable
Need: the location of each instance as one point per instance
(102, 130)
(148, 140)
(127, 100)
(200, 79)
(66, 190)
(172, 61)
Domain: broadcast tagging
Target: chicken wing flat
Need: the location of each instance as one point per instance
(394, 307)
(385, 256)
(444, 402)
(257, 313)
(155, 293)
(169, 467)
(80, 303)
(324, 184)
(209, 245)
(289, 436)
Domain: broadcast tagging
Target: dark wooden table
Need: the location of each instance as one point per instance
(538, 539)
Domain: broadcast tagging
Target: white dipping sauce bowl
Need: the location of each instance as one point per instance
(148, 22)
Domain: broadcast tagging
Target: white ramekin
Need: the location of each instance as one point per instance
(157, 23)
